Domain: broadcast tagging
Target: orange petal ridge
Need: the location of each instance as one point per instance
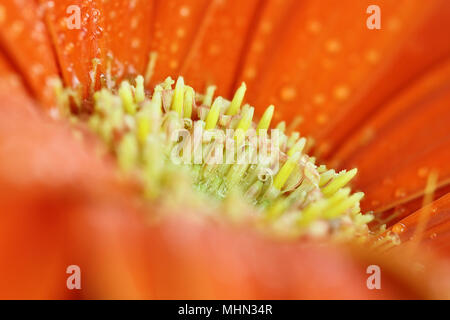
(24, 38)
(399, 147)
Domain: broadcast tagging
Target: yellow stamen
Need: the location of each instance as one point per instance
(286, 171)
(208, 98)
(188, 101)
(312, 212)
(266, 119)
(293, 139)
(326, 177)
(338, 208)
(156, 105)
(244, 124)
(281, 126)
(341, 180)
(178, 97)
(298, 147)
(140, 91)
(236, 103)
(127, 152)
(246, 120)
(213, 114)
(143, 126)
(126, 95)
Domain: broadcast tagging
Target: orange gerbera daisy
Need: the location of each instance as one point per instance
(89, 138)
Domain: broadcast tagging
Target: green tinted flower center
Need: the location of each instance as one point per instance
(208, 155)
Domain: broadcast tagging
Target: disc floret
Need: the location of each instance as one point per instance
(199, 151)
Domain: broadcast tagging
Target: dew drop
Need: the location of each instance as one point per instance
(250, 73)
(333, 46)
(214, 50)
(372, 56)
(16, 28)
(399, 228)
(322, 118)
(314, 26)
(173, 64)
(135, 43)
(394, 24)
(400, 193)
(134, 23)
(181, 33)
(341, 92)
(37, 69)
(185, 11)
(288, 93)
(319, 99)
(423, 172)
(266, 26)
(174, 47)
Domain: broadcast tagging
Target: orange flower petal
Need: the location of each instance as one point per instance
(24, 38)
(128, 27)
(176, 25)
(28, 255)
(398, 148)
(13, 94)
(314, 62)
(191, 260)
(418, 56)
(437, 231)
(61, 210)
(401, 211)
(264, 41)
(47, 200)
(215, 53)
(46, 178)
(30, 251)
(120, 45)
(76, 47)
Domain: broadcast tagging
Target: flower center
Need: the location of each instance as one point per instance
(208, 155)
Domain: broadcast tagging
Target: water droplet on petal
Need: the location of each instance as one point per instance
(341, 92)
(314, 26)
(185, 11)
(400, 193)
(333, 46)
(288, 93)
(399, 228)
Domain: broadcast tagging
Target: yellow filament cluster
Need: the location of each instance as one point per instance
(295, 197)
